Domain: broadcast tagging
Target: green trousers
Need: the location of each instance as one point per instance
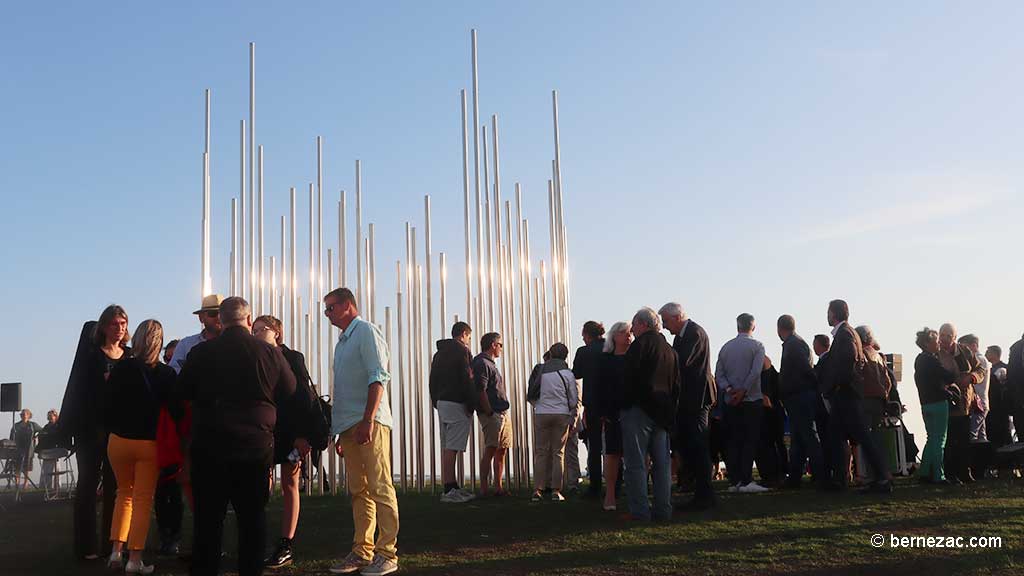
(936, 417)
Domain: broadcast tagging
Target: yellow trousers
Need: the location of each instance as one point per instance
(374, 503)
(134, 464)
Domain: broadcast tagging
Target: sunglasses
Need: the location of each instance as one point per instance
(211, 313)
(329, 309)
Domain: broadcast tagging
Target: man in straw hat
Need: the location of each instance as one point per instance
(209, 318)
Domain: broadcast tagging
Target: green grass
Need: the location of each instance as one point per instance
(805, 532)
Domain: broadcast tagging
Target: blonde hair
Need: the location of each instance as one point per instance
(147, 341)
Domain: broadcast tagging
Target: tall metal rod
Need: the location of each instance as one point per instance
(261, 279)
(409, 349)
(311, 275)
(391, 404)
(417, 343)
(552, 223)
(513, 360)
(465, 191)
(234, 246)
(359, 235)
(242, 268)
(282, 262)
(293, 287)
(401, 378)
(500, 260)
(523, 339)
(332, 456)
(561, 220)
(489, 274)
(272, 296)
(250, 278)
(428, 257)
(371, 283)
(476, 169)
(318, 356)
(342, 240)
(204, 277)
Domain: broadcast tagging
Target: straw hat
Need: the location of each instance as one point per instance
(211, 302)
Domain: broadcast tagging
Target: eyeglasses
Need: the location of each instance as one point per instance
(263, 329)
(329, 309)
(499, 344)
(211, 313)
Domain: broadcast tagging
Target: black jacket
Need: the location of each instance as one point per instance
(796, 369)
(931, 378)
(697, 380)
(451, 378)
(299, 417)
(136, 393)
(235, 382)
(585, 367)
(83, 409)
(612, 378)
(1015, 375)
(841, 373)
(652, 378)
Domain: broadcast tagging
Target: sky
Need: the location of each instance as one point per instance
(732, 157)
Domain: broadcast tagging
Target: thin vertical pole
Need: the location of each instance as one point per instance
(260, 283)
(282, 275)
(292, 277)
(401, 378)
(204, 278)
(250, 279)
(489, 275)
(318, 357)
(234, 246)
(410, 346)
(417, 356)
(332, 456)
(242, 282)
(372, 276)
(311, 347)
(359, 234)
(428, 257)
(342, 240)
(465, 191)
(476, 167)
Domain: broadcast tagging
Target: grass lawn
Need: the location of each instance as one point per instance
(804, 532)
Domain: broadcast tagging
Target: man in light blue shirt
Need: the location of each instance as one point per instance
(738, 374)
(361, 418)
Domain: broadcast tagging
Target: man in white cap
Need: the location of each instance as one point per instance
(208, 316)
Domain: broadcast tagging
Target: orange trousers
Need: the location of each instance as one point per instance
(134, 464)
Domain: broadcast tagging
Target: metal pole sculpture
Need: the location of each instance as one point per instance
(260, 283)
(342, 241)
(371, 276)
(359, 235)
(251, 278)
(465, 191)
(318, 356)
(234, 247)
(428, 257)
(242, 281)
(293, 286)
(205, 282)
(401, 378)
(488, 323)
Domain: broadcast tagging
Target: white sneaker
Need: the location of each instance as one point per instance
(753, 488)
(140, 568)
(468, 494)
(456, 496)
(350, 564)
(734, 488)
(380, 566)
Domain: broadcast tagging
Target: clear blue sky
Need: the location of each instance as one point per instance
(749, 158)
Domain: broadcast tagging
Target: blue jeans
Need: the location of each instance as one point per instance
(640, 437)
(805, 445)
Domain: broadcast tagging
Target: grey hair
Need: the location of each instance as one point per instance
(649, 317)
(745, 322)
(866, 335)
(234, 311)
(672, 309)
(609, 341)
(947, 328)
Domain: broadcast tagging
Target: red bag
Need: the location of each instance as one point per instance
(168, 445)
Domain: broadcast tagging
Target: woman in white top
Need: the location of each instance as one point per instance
(555, 398)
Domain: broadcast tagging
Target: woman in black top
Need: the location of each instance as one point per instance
(138, 388)
(101, 346)
(291, 436)
(932, 381)
(612, 378)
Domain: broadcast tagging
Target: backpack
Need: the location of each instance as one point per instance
(874, 379)
(321, 425)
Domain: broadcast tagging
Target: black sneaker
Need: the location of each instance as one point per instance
(169, 548)
(281, 557)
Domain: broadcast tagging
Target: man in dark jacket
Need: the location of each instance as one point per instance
(585, 367)
(452, 394)
(798, 389)
(235, 383)
(842, 379)
(698, 395)
(1015, 386)
(648, 411)
(997, 423)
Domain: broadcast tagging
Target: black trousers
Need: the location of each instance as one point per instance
(215, 483)
(821, 423)
(744, 421)
(699, 453)
(956, 457)
(169, 508)
(594, 448)
(997, 427)
(93, 465)
(772, 458)
(846, 422)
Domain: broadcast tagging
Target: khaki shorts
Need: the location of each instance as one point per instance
(497, 430)
(455, 425)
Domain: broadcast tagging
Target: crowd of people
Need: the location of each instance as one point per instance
(206, 426)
